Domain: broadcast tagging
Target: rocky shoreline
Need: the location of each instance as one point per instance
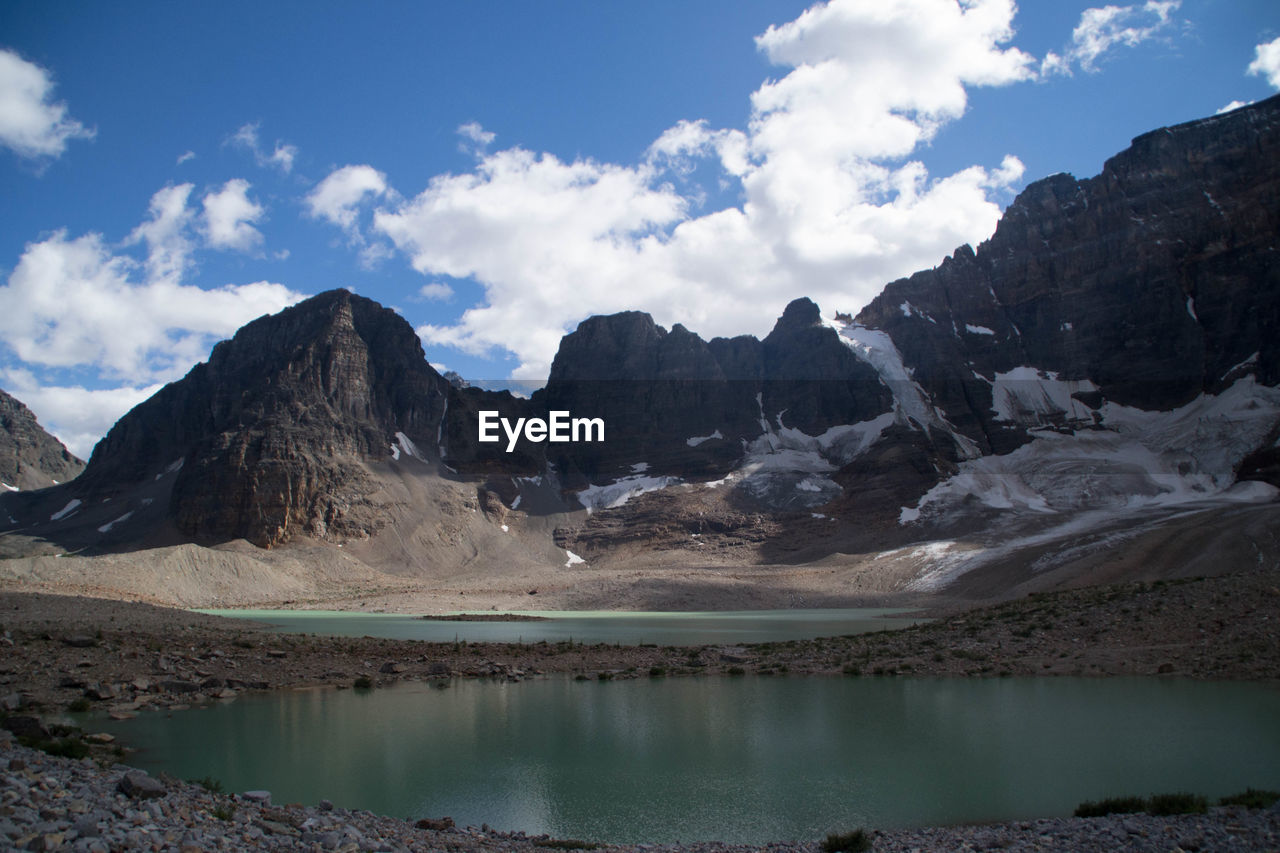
(72, 654)
(49, 803)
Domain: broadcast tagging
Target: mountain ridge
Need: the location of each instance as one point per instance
(1111, 348)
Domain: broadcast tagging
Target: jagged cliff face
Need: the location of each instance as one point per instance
(1113, 346)
(1154, 282)
(30, 458)
(266, 440)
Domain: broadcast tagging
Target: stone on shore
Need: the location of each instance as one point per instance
(137, 785)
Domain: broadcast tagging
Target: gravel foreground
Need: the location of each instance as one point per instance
(49, 803)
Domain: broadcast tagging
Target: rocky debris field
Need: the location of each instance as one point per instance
(50, 803)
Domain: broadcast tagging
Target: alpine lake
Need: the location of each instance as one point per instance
(730, 758)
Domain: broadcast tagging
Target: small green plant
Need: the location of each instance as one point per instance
(1177, 803)
(657, 671)
(77, 706)
(1251, 798)
(735, 670)
(1111, 805)
(363, 682)
(224, 812)
(210, 784)
(847, 842)
(63, 747)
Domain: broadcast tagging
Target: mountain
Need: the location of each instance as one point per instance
(30, 458)
(1100, 370)
(265, 440)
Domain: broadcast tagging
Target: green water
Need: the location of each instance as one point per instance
(739, 759)
(628, 628)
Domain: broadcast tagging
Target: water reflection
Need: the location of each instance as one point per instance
(747, 759)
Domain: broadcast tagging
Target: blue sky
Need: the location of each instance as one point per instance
(499, 171)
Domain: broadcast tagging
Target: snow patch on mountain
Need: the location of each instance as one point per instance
(699, 439)
(911, 402)
(619, 492)
(1034, 397)
(407, 447)
(1136, 459)
(71, 507)
(106, 528)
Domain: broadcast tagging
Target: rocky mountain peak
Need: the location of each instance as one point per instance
(30, 458)
(266, 439)
(800, 313)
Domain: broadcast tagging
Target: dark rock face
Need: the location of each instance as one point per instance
(1152, 280)
(1148, 285)
(813, 380)
(271, 431)
(658, 390)
(30, 458)
(654, 390)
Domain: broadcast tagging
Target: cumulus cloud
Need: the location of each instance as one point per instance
(832, 206)
(474, 137)
(337, 199)
(1103, 28)
(83, 306)
(280, 157)
(437, 290)
(229, 215)
(74, 303)
(1266, 62)
(31, 124)
(541, 235)
(166, 233)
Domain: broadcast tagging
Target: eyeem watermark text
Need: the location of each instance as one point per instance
(559, 427)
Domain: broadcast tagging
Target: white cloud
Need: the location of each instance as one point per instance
(541, 234)
(832, 206)
(31, 124)
(166, 233)
(338, 197)
(75, 415)
(281, 156)
(185, 156)
(93, 310)
(1266, 62)
(229, 215)
(437, 290)
(1234, 105)
(1102, 28)
(477, 137)
(73, 303)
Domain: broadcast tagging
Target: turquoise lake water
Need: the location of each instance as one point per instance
(740, 759)
(627, 628)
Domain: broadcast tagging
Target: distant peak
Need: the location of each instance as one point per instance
(800, 314)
